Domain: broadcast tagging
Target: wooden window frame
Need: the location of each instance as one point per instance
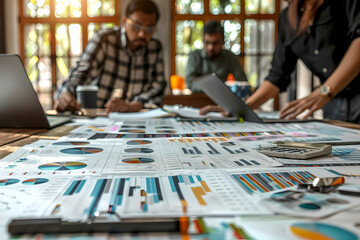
(84, 21)
(207, 15)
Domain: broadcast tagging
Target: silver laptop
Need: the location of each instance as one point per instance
(224, 97)
(19, 104)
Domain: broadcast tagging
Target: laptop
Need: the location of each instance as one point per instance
(224, 97)
(19, 104)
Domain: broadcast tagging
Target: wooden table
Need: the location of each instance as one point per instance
(12, 139)
(196, 100)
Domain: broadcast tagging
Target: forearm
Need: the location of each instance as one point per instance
(347, 70)
(74, 79)
(86, 69)
(266, 91)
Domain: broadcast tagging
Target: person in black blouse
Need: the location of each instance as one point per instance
(325, 35)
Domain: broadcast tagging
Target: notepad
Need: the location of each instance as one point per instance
(194, 113)
(154, 113)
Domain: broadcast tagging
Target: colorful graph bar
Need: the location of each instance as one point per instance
(266, 182)
(194, 183)
(74, 188)
(117, 194)
(96, 194)
(240, 150)
(243, 162)
(343, 175)
(228, 150)
(318, 139)
(246, 136)
(148, 190)
(192, 151)
(213, 149)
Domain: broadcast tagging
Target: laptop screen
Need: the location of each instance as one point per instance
(19, 103)
(224, 97)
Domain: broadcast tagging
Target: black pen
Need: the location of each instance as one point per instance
(349, 192)
(57, 225)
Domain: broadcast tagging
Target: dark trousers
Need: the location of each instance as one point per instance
(344, 108)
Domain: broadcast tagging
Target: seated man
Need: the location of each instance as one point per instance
(213, 58)
(123, 59)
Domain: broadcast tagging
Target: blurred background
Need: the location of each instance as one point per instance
(50, 35)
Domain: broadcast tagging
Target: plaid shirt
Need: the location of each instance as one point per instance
(108, 63)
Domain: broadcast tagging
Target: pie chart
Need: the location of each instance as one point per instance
(132, 130)
(62, 166)
(35, 181)
(70, 143)
(138, 142)
(138, 150)
(321, 231)
(133, 126)
(166, 131)
(138, 160)
(9, 181)
(81, 150)
(164, 127)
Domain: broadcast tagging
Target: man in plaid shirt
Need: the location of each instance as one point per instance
(124, 60)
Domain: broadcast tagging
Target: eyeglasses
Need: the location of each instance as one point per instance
(214, 43)
(138, 28)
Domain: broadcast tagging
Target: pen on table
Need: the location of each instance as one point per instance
(57, 225)
(349, 192)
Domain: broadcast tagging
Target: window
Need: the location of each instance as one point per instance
(249, 26)
(53, 34)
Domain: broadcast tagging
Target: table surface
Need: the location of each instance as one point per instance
(13, 139)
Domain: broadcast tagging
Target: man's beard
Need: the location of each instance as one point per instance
(139, 43)
(212, 55)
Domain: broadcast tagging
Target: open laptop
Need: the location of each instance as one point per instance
(19, 104)
(224, 97)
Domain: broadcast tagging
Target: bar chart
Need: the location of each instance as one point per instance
(242, 162)
(193, 150)
(217, 152)
(75, 187)
(263, 182)
(186, 193)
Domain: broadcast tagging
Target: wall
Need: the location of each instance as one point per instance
(163, 34)
(11, 26)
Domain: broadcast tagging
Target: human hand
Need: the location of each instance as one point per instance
(311, 103)
(67, 102)
(212, 108)
(119, 105)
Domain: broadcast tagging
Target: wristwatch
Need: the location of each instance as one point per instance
(326, 91)
(140, 99)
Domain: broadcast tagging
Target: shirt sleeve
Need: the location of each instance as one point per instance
(352, 9)
(155, 94)
(191, 72)
(284, 59)
(86, 69)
